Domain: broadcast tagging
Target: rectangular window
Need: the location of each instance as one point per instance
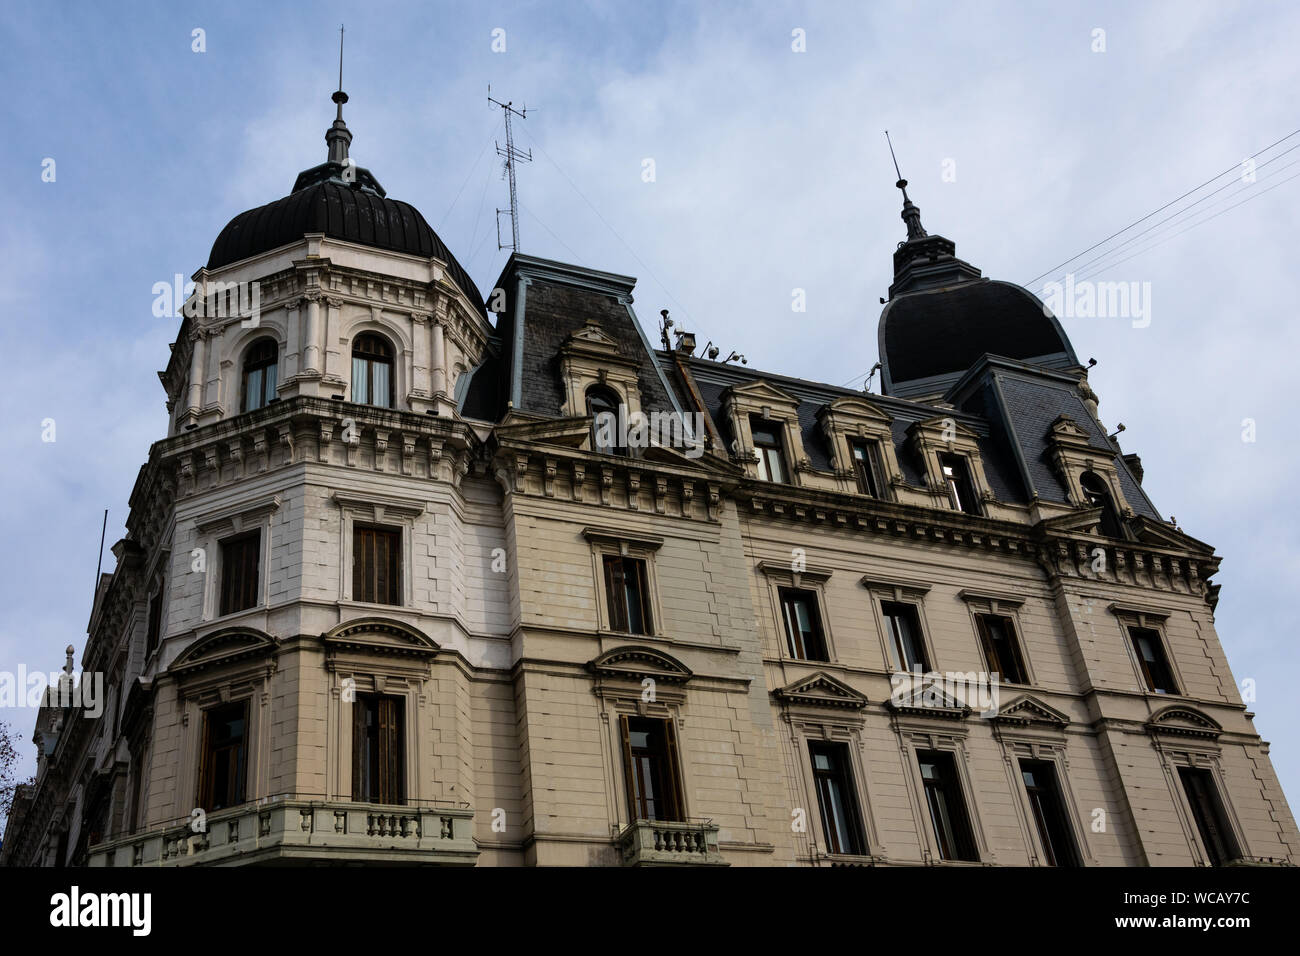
(627, 589)
(866, 465)
(1001, 649)
(376, 565)
(956, 475)
(1048, 809)
(378, 749)
(836, 798)
(225, 756)
(240, 558)
(1207, 810)
(652, 769)
(767, 442)
(1151, 657)
(947, 807)
(904, 628)
(803, 626)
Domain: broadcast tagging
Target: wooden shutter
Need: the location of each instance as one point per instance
(616, 588)
(359, 706)
(390, 750)
(360, 564)
(643, 595)
(205, 763)
(674, 771)
(633, 810)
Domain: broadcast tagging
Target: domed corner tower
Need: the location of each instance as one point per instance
(943, 315)
(291, 285)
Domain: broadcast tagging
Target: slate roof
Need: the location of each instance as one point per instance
(938, 332)
(340, 211)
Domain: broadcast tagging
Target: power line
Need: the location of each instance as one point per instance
(1232, 168)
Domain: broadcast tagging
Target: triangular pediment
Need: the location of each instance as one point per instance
(220, 648)
(1031, 710)
(945, 424)
(635, 663)
(821, 690)
(1183, 721)
(381, 636)
(1066, 431)
(762, 392)
(1161, 535)
(570, 432)
(928, 699)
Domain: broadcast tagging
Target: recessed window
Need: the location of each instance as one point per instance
(956, 476)
(240, 559)
(628, 593)
(652, 770)
(903, 626)
(261, 365)
(223, 766)
(836, 798)
(946, 805)
(1150, 650)
(1001, 649)
(1207, 810)
(154, 628)
(1048, 809)
(866, 466)
(602, 405)
(1097, 495)
(803, 626)
(767, 442)
(378, 749)
(372, 371)
(376, 565)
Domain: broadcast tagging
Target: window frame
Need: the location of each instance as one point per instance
(886, 590)
(948, 460)
(1038, 822)
(614, 542)
(396, 789)
(769, 452)
(205, 797)
(267, 385)
(1220, 809)
(852, 795)
(671, 756)
(397, 552)
(257, 586)
(812, 598)
(867, 468)
(364, 337)
(620, 611)
(604, 393)
(967, 806)
(989, 651)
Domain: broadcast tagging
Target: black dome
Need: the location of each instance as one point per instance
(944, 331)
(341, 211)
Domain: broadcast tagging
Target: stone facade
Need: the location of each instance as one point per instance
(508, 652)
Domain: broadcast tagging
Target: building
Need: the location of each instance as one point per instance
(394, 591)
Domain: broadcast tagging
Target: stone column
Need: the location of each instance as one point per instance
(439, 359)
(198, 338)
(311, 358)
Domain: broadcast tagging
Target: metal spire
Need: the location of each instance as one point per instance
(911, 213)
(339, 137)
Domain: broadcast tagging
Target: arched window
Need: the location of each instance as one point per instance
(372, 371)
(602, 406)
(261, 363)
(1097, 495)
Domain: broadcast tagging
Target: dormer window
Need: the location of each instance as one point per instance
(1096, 494)
(261, 365)
(372, 371)
(767, 443)
(866, 466)
(961, 494)
(602, 406)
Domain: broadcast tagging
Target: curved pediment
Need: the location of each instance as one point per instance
(1031, 710)
(1183, 721)
(380, 635)
(635, 663)
(228, 645)
(821, 690)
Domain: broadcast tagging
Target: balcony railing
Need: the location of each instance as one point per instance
(292, 828)
(663, 843)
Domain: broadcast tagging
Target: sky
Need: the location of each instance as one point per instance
(1026, 135)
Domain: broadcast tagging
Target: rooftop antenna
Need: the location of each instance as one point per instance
(511, 156)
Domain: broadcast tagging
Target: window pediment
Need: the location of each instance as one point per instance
(760, 392)
(379, 635)
(821, 690)
(1031, 710)
(635, 663)
(229, 645)
(1182, 721)
(928, 699)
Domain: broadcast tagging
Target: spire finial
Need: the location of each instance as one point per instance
(339, 138)
(911, 212)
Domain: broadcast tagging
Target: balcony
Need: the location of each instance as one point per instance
(297, 830)
(661, 843)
